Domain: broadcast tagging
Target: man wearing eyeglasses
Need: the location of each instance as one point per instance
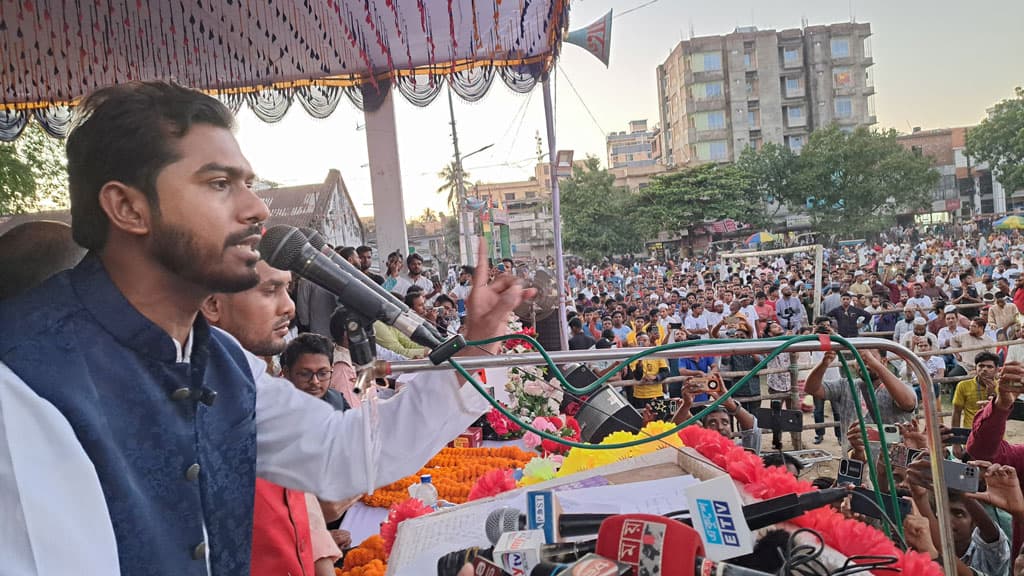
(306, 363)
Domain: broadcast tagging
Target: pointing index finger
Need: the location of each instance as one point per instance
(483, 268)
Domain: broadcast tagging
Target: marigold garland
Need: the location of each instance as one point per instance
(453, 472)
(849, 537)
(367, 559)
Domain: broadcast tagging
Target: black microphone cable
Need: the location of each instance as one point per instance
(804, 559)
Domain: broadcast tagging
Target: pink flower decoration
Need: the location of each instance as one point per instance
(531, 440)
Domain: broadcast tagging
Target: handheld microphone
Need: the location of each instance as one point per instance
(591, 565)
(285, 248)
(758, 515)
(657, 545)
(316, 240)
(517, 548)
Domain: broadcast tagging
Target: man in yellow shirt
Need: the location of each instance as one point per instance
(650, 372)
(970, 393)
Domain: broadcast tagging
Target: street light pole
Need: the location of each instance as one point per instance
(465, 243)
(465, 229)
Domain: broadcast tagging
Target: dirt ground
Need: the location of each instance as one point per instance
(1014, 435)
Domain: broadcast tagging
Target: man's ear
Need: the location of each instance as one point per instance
(126, 207)
(211, 308)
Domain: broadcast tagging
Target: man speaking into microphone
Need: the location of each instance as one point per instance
(124, 415)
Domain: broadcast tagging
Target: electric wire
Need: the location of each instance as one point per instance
(585, 107)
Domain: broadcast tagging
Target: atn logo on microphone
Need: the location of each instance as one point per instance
(717, 522)
(640, 545)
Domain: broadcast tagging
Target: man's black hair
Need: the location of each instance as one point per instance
(128, 133)
(411, 297)
(308, 343)
(782, 459)
(987, 357)
(363, 249)
(347, 252)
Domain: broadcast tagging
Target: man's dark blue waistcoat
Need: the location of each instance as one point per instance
(169, 464)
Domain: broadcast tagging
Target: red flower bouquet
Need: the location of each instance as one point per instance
(398, 513)
(504, 427)
(847, 536)
(492, 483)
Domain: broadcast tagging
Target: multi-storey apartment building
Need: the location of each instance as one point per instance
(720, 94)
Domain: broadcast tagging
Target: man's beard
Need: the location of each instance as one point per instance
(177, 251)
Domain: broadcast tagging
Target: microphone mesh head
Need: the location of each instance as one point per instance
(281, 246)
(500, 521)
(315, 239)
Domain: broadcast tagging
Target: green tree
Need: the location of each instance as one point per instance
(999, 141)
(771, 170)
(856, 182)
(597, 217)
(704, 193)
(451, 235)
(33, 173)
(450, 184)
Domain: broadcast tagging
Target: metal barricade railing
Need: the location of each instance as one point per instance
(749, 347)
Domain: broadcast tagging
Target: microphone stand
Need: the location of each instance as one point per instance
(362, 347)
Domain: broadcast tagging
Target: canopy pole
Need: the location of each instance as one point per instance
(556, 210)
(386, 180)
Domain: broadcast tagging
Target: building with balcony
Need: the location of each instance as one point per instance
(636, 148)
(719, 94)
(966, 187)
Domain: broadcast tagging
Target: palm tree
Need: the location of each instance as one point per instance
(449, 176)
(428, 215)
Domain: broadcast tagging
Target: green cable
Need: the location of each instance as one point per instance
(786, 342)
(876, 413)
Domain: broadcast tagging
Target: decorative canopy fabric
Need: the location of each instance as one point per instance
(267, 53)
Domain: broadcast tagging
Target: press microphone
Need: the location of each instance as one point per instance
(285, 248)
(660, 546)
(316, 240)
(518, 549)
(758, 515)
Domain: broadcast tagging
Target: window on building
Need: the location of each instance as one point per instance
(510, 196)
(715, 150)
(842, 77)
(714, 120)
(713, 61)
(844, 107)
(531, 194)
(706, 61)
(756, 143)
(749, 60)
(795, 115)
(752, 89)
(841, 47)
(795, 143)
(794, 87)
(754, 119)
(706, 90)
(790, 56)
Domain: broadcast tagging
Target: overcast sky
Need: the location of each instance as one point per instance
(938, 63)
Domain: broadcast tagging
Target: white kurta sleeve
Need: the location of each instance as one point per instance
(54, 516)
(304, 444)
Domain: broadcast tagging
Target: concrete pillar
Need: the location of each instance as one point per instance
(386, 181)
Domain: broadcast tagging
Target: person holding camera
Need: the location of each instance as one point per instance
(789, 310)
(720, 419)
(896, 400)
